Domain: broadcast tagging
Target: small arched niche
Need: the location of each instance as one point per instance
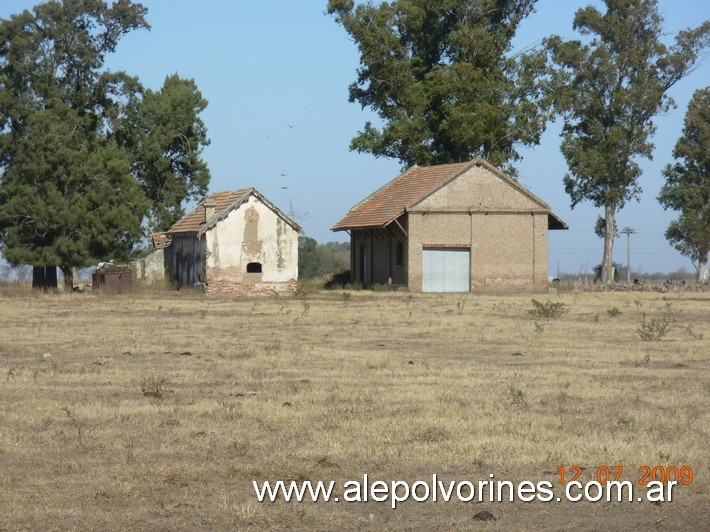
(254, 267)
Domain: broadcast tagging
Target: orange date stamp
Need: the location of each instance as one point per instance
(679, 474)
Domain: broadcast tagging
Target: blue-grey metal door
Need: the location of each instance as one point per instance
(446, 270)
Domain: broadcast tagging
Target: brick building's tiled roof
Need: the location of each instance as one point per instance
(408, 189)
(390, 201)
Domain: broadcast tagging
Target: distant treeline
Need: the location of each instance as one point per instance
(318, 260)
(620, 275)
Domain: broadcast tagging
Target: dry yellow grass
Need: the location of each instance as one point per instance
(157, 411)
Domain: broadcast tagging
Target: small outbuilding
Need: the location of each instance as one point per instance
(112, 277)
(462, 227)
(233, 243)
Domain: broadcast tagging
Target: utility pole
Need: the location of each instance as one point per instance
(628, 231)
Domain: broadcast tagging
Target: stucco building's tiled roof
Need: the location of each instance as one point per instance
(224, 203)
(195, 221)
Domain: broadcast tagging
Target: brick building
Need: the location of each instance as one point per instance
(234, 243)
(451, 228)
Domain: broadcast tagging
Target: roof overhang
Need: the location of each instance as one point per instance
(335, 229)
(555, 222)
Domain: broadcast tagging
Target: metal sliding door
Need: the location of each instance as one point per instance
(446, 270)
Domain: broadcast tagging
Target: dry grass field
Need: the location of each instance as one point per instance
(157, 410)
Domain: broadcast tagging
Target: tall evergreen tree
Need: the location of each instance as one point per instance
(66, 196)
(687, 187)
(86, 154)
(441, 77)
(166, 137)
(609, 88)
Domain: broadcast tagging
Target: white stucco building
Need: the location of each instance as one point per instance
(234, 243)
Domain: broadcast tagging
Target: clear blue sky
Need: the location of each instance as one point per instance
(267, 65)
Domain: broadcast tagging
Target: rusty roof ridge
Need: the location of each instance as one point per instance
(454, 171)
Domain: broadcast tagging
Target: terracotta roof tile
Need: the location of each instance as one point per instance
(160, 240)
(193, 222)
(390, 201)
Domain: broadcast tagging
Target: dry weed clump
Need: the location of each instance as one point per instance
(159, 410)
(154, 385)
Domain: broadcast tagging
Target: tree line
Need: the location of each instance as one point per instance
(444, 80)
(90, 160)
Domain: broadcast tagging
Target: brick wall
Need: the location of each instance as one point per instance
(235, 282)
(508, 250)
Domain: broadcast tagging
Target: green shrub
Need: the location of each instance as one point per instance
(657, 328)
(516, 396)
(548, 309)
(653, 330)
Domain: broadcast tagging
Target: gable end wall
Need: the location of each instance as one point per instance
(505, 230)
(252, 233)
(477, 189)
